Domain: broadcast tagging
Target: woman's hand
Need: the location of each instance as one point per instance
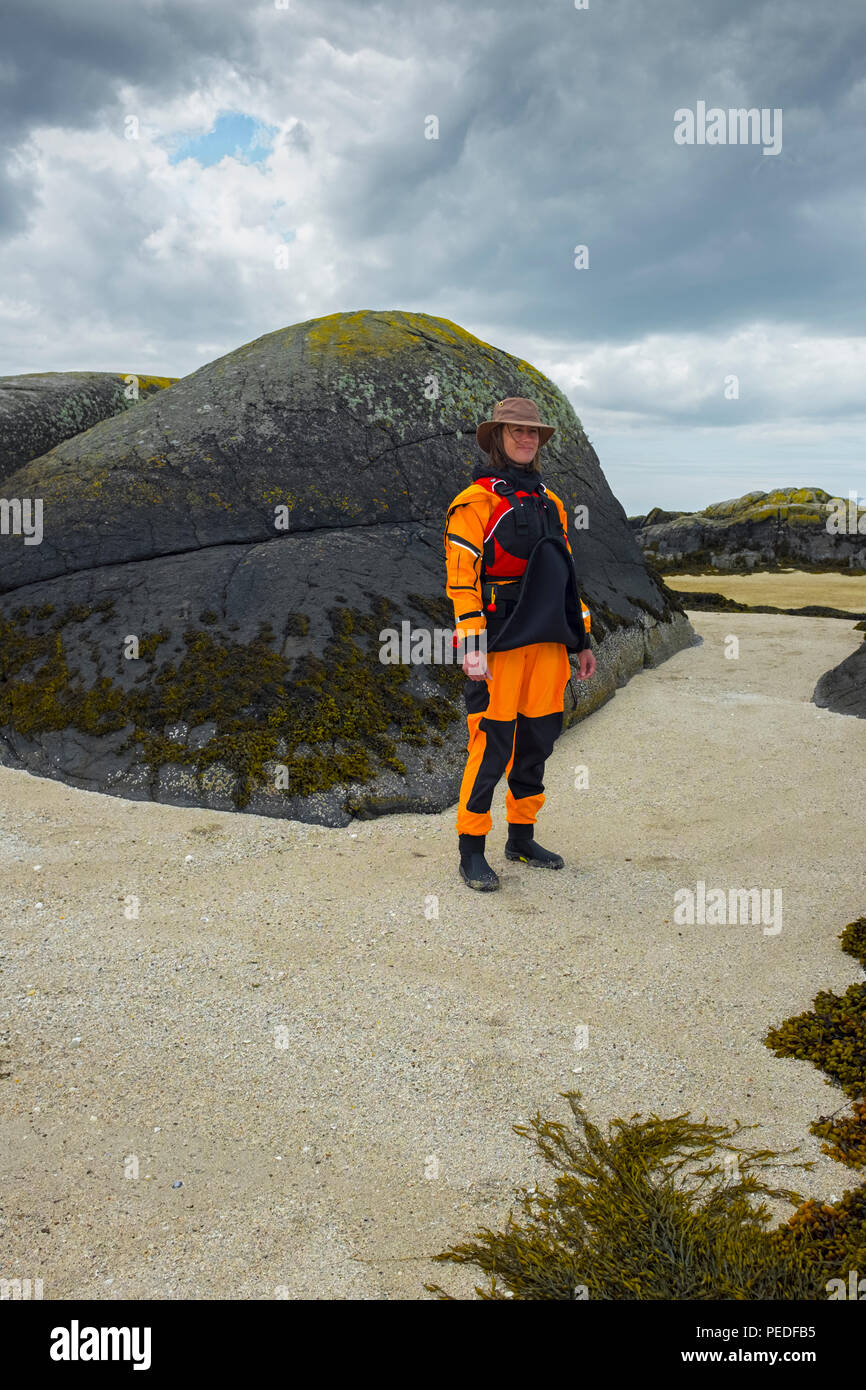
(586, 664)
(475, 666)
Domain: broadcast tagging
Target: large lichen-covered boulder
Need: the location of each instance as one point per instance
(843, 689)
(204, 617)
(41, 409)
(791, 525)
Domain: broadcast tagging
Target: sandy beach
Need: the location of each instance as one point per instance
(781, 589)
(311, 1044)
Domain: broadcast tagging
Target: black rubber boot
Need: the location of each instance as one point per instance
(521, 846)
(474, 868)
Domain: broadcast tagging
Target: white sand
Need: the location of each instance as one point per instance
(303, 1167)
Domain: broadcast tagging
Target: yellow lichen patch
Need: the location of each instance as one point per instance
(538, 377)
(795, 504)
(352, 333)
(379, 332)
(782, 496)
(96, 481)
(149, 383)
(276, 497)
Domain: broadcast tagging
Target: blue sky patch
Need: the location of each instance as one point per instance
(235, 134)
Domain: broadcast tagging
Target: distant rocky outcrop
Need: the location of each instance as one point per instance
(202, 620)
(41, 409)
(787, 526)
(844, 688)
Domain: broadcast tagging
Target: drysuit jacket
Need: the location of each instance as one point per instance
(509, 563)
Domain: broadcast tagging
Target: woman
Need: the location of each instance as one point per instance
(517, 613)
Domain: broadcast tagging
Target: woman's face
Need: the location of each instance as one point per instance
(520, 442)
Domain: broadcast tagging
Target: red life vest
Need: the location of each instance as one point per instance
(524, 517)
(521, 518)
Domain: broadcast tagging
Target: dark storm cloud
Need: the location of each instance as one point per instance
(559, 131)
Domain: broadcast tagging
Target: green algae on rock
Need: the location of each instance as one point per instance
(263, 707)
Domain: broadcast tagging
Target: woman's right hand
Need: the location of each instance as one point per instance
(475, 666)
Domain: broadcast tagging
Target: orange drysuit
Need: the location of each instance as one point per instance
(511, 575)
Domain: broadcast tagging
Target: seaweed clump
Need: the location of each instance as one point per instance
(633, 1217)
(656, 1209)
(832, 1035)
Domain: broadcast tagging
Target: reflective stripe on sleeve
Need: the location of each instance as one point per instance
(466, 545)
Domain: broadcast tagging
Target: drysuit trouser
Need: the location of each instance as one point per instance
(514, 720)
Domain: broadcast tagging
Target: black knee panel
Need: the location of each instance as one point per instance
(494, 760)
(533, 743)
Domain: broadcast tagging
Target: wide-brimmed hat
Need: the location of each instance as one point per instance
(514, 410)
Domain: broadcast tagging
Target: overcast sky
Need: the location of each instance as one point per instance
(304, 126)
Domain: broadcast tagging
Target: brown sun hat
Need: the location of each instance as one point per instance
(514, 410)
